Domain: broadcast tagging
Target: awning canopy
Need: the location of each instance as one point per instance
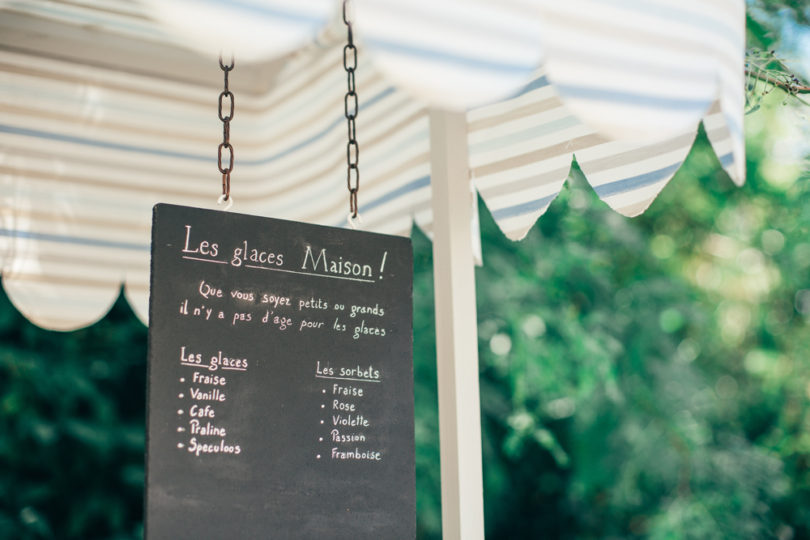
(106, 112)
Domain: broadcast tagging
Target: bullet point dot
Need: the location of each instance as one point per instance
(180, 396)
(179, 445)
(324, 391)
(322, 406)
(179, 430)
(321, 421)
(182, 379)
(179, 411)
(320, 439)
(318, 456)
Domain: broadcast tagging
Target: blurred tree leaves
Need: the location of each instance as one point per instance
(71, 428)
(648, 377)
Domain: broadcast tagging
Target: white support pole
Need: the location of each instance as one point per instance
(456, 329)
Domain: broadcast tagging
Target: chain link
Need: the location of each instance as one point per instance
(227, 97)
(351, 108)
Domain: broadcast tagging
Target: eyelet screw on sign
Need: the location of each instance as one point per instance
(227, 202)
(225, 102)
(355, 222)
(351, 108)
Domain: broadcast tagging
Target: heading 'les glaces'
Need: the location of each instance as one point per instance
(217, 361)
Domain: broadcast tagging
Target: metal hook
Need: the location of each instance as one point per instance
(229, 67)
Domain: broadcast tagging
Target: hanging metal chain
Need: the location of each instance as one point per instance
(350, 109)
(226, 132)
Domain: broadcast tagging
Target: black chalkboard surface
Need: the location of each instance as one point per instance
(280, 385)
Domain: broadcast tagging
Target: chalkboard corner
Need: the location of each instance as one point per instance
(159, 208)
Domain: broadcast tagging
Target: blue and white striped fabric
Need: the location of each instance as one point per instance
(252, 30)
(89, 144)
(86, 150)
(521, 152)
(636, 69)
(452, 53)
(623, 87)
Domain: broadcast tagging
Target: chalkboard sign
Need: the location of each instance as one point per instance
(280, 385)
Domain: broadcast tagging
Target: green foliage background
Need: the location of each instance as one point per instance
(646, 377)
(643, 377)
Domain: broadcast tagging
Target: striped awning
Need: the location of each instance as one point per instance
(106, 112)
